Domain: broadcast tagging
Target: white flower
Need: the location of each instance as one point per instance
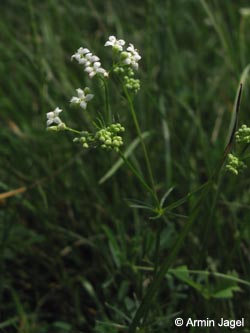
(83, 61)
(94, 59)
(131, 57)
(94, 69)
(88, 56)
(83, 97)
(115, 43)
(52, 117)
(80, 53)
(76, 56)
(82, 50)
(90, 61)
(131, 49)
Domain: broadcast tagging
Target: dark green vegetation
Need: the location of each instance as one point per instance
(74, 256)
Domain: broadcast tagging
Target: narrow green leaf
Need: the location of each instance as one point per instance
(113, 245)
(244, 76)
(168, 192)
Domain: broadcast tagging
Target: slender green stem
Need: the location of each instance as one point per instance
(210, 218)
(157, 246)
(136, 173)
(72, 130)
(138, 129)
(107, 104)
(244, 149)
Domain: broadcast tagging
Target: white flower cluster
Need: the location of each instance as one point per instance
(90, 61)
(84, 96)
(125, 61)
(130, 56)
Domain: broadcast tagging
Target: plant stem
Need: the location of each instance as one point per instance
(136, 173)
(72, 130)
(107, 104)
(138, 129)
(157, 246)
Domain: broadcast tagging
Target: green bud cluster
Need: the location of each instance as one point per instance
(123, 69)
(132, 84)
(86, 139)
(243, 134)
(127, 73)
(106, 138)
(234, 164)
(119, 69)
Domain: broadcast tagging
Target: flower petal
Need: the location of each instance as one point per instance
(74, 100)
(80, 92)
(89, 97)
(83, 104)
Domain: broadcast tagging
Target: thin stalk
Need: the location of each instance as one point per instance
(72, 130)
(107, 104)
(210, 218)
(244, 149)
(136, 173)
(157, 246)
(138, 129)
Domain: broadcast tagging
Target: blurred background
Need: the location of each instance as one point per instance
(70, 247)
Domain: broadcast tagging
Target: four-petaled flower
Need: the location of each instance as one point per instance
(53, 117)
(117, 44)
(94, 68)
(80, 53)
(83, 97)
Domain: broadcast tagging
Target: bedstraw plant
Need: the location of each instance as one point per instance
(108, 133)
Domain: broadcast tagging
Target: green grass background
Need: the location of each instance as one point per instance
(70, 248)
